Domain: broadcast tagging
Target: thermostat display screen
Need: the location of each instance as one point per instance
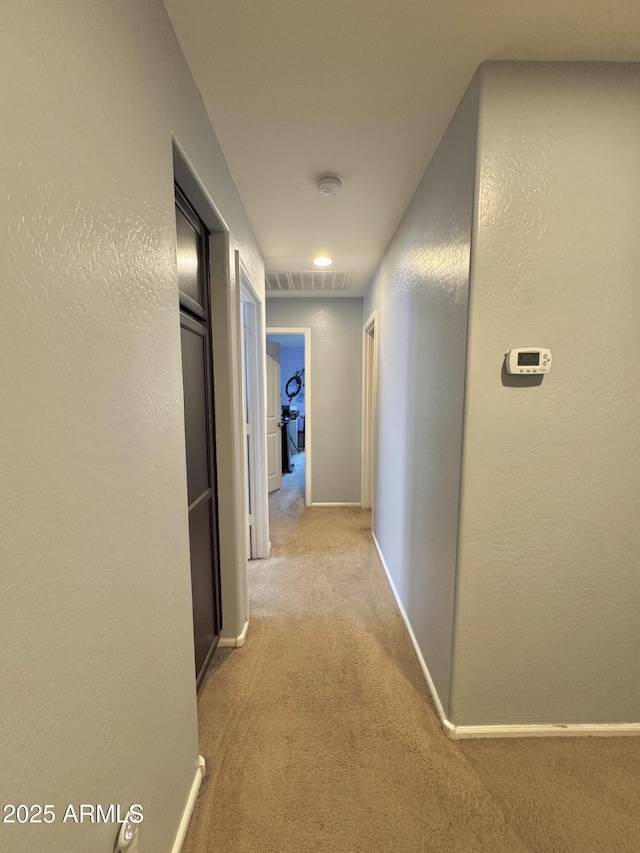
(528, 359)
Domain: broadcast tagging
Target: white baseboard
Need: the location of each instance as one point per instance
(446, 725)
(335, 504)
(537, 730)
(234, 642)
(548, 730)
(188, 809)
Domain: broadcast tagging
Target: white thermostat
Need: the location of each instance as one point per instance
(528, 360)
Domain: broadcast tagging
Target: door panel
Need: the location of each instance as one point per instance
(199, 418)
(189, 261)
(200, 538)
(194, 352)
(274, 412)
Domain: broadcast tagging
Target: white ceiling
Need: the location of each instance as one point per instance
(365, 89)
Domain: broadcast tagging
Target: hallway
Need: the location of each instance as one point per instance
(319, 733)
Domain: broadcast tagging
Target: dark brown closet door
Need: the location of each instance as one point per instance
(197, 375)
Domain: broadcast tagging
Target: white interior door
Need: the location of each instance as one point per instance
(274, 421)
(250, 311)
(248, 333)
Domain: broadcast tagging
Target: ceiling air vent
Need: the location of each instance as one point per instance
(306, 282)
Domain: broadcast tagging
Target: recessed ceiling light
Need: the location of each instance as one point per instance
(322, 262)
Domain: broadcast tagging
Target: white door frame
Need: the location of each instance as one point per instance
(253, 373)
(369, 409)
(308, 421)
(223, 294)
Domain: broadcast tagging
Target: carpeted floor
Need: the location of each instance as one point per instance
(320, 735)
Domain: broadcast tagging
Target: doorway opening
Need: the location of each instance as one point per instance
(192, 242)
(224, 400)
(289, 420)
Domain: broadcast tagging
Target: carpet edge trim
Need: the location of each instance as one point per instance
(449, 728)
(190, 805)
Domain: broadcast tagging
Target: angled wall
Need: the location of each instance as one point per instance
(547, 627)
(507, 516)
(422, 291)
(97, 694)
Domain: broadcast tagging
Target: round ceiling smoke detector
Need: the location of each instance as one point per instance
(329, 185)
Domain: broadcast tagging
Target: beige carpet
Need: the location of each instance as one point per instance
(320, 735)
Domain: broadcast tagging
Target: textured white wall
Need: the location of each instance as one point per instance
(97, 700)
(336, 389)
(421, 291)
(548, 596)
